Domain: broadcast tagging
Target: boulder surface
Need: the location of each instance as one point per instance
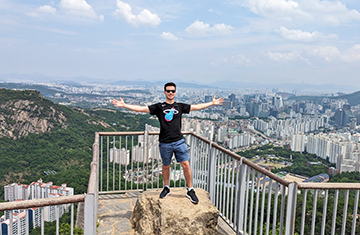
(175, 214)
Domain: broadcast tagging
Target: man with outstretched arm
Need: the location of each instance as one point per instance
(171, 139)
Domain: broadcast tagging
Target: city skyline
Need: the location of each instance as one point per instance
(270, 42)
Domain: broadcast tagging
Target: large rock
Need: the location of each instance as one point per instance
(175, 214)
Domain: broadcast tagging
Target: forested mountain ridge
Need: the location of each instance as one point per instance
(51, 137)
(24, 112)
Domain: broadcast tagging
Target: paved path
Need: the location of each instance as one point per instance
(114, 212)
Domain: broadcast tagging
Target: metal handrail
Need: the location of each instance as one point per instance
(323, 186)
(41, 202)
(244, 160)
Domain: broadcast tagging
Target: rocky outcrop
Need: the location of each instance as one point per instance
(21, 117)
(175, 214)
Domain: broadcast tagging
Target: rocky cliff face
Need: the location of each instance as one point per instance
(19, 117)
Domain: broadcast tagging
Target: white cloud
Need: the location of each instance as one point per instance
(169, 36)
(324, 12)
(145, 18)
(240, 59)
(78, 8)
(329, 53)
(277, 56)
(46, 9)
(352, 55)
(215, 11)
(298, 35)
(280, 9)
(200, 29)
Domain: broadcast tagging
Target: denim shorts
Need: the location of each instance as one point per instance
(178, 147)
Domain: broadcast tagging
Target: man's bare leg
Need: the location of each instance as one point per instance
(166, 174)
(187, 173)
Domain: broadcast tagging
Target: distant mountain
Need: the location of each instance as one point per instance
(252, 84)
(44, 90)
(38, 77)
(131, 83)
(31, 77)
(353, 98)
(285, 86)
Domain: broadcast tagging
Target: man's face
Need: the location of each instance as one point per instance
(170, 92)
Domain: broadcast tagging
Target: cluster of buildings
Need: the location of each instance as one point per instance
(284, 129)
(342, 149)
(19, 221)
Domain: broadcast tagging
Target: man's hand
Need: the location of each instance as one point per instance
(219, 101)
(137, 108)
(118, 103)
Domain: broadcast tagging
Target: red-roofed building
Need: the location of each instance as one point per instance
(36, 190)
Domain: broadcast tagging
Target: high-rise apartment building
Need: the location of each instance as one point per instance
(36, 190)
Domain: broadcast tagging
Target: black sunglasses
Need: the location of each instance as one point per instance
(172, 91)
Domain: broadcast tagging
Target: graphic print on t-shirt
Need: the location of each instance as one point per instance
(169, 114)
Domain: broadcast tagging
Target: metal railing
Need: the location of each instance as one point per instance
(251, 199)
(90, 200)
(41, 204)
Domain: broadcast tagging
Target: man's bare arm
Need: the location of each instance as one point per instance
(215, 101)
(137, 108)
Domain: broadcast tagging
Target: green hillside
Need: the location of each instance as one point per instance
(353, 98)
(65, 146)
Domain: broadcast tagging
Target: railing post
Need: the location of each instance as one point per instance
(42, 219)
(18, 224)
(57, 217)
(192, 157)
(146, 157)
(241, 198)
(211, 173)
(11, 222)
(89, 215)
(91, 198)
(72, 219)
(291, 209)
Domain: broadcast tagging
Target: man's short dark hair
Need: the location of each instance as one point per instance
(169, 84)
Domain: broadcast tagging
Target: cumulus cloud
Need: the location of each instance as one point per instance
(145, 18)
(201, 29)
(280, 9)
(169, 36)
(328, 53)
(78, 8)
(277, 56)
(352, 55)
(298, 35)
(240, 59)
(324, 12)
(46, 9)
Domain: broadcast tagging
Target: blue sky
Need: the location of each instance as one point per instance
(266, 41)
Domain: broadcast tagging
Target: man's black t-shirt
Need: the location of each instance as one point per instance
(169, 116)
